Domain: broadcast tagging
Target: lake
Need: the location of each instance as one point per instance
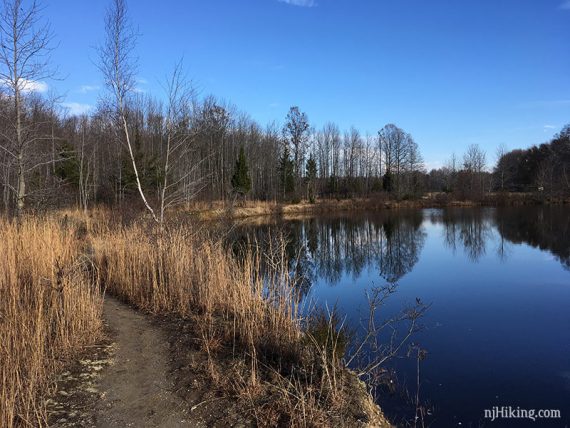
(497, 331)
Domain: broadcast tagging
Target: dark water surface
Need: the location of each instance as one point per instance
(498, 281)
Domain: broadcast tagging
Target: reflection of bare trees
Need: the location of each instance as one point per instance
(329, 248)
(403, 241)
(470, 228)
(347, 246)
(474, 236)
(547, 228)
(451, 231)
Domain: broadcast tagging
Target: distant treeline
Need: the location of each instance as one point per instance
(178, 147)
(543, 169)
(83, 159)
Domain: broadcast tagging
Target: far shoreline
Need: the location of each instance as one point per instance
(219, 210)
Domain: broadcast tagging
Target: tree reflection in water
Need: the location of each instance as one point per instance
(471, 228)
(546, 228)
(330, 248)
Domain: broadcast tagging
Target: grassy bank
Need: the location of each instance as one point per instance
(49, 308)
(244, 314)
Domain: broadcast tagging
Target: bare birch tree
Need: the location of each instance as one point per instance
(118, 65)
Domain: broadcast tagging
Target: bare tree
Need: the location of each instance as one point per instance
(25, 47)
(85, 165)
(296, 132)
(415, 166)
(118, 65)
(332, 135)
(474, 162)
(394, 143)
(179, 177)
(450, 171)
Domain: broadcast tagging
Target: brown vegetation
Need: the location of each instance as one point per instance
(244, 316)
(49, 308)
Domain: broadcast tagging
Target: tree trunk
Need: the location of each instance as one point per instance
(21, 189)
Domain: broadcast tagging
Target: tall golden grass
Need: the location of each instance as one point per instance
(49, 308)
(180, 273)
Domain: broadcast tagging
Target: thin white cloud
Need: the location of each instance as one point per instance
(88, 88)
(30, 86)
(550, 129)
(141, 81)
(565, 5)
(300, 3)
(429, 165)
(34, 86)
(77, 109)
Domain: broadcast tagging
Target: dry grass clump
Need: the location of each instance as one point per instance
(178, 272)
(49, 307)
(245, 315)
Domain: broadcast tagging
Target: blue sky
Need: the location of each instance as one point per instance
(452, 73)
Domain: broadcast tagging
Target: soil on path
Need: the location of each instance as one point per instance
(135, 388)
(145, 373)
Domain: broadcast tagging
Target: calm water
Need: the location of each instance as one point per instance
(498, 281)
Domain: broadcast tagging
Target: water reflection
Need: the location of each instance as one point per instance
(546, 228)
(391, 242)
(469, 228)
(330, 247)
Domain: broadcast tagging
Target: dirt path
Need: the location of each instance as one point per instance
(135, 388)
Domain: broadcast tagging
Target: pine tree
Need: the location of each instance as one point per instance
(241, 182)
(286, 172)
(387, 182)
(311, 174)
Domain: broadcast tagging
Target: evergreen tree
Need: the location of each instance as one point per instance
(67, 168)
(241, 182)
(311, 173)
(387, 182)
(286, 172)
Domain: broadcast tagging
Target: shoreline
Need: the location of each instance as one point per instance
(218, 210)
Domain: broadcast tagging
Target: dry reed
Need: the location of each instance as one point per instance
(179, 273)
(49, 308)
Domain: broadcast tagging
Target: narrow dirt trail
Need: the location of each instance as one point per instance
(135, 388)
